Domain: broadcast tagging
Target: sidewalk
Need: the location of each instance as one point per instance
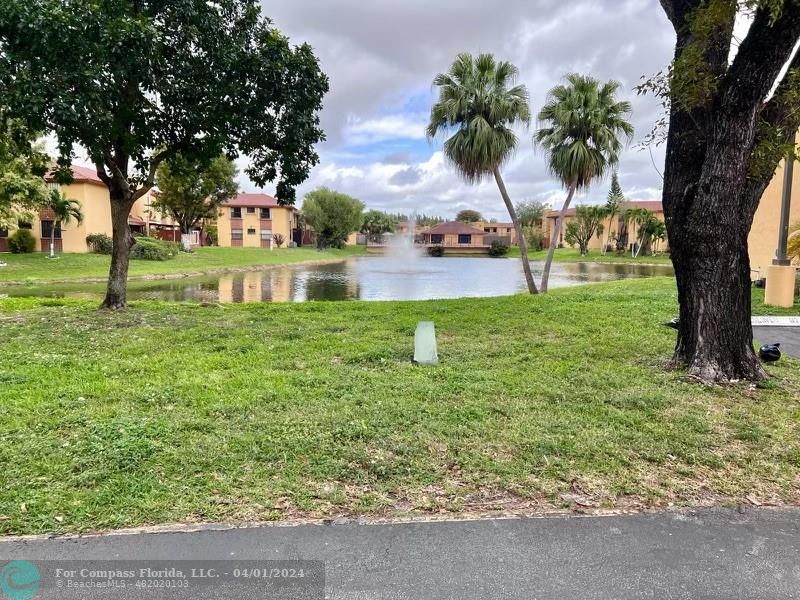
(708, 554)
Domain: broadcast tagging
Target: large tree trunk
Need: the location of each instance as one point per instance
(521, 241)
(554, 239)
(116, 292)
(715, 340)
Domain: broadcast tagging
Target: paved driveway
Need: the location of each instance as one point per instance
(788, 337)
(696, 555)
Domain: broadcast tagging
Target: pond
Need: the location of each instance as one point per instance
(366, 278)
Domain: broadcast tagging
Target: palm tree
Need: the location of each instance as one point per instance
(581, 125)
(793, 248)
(478, 105)
(649, 228)
(64, 210)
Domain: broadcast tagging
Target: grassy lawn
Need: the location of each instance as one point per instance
(178, 412)
(574, 255)
(34, 268)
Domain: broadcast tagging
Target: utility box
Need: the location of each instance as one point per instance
(780, 286)
(425, 352)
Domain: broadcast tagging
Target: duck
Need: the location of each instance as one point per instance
(770, 352)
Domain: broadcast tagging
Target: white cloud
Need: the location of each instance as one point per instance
(380, 129)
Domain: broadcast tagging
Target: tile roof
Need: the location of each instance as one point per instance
(653, 205)
(82, 175)
(453, 228)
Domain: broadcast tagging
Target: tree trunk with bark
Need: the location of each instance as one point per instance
(116, 293)
(722, 151)
(554, 239)
(521, 241)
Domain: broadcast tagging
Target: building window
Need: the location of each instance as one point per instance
(266, 234)
(251, 231)
(236, 213)
(251, 210)
(437, 238)
(236, 234)
(264, 213)
(464, 238)
(47, 230)
(24, 225)
(3, 233)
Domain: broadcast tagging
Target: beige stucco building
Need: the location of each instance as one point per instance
(93, 197)
(254, 220)
(611, 227)
(763, 240)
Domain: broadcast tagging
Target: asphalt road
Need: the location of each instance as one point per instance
(698, 555)
(787, 337)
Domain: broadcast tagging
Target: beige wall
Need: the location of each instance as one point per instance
(450, 240)
(763, 240)
(282, 220)
(503, 229)
(610, 228)
(96, 209)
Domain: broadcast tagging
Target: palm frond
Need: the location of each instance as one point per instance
(479, 104)
(581, 129)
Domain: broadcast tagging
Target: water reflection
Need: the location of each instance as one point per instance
(368, 278)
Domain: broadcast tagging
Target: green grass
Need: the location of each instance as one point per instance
(37, 268)
(186, 413)
(574, 255)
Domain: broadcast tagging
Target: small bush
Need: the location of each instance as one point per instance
(22, 242)
(436, 251)
(278, 239)
(99, 243)
(535, 238)
(498, 248)
(212, 234)
(147, 248)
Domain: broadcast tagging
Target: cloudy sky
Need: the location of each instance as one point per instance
(381, 57)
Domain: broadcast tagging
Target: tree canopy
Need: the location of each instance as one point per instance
(333, 215)
(531, 213)
(191, 192)
(469, 216)
(23, 166)
(376, 222)
(587, 223)
(135, 83)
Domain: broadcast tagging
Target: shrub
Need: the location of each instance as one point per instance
(535, 238)
(99, 243)
(498, 248)
(212, 234)
(22, 242)
(436, 251)
(147, 248)
(278, 239)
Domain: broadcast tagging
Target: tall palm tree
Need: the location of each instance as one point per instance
(479, 104)
(581, 126)
(65, 210)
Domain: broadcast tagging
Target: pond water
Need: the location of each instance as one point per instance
(366, 278)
